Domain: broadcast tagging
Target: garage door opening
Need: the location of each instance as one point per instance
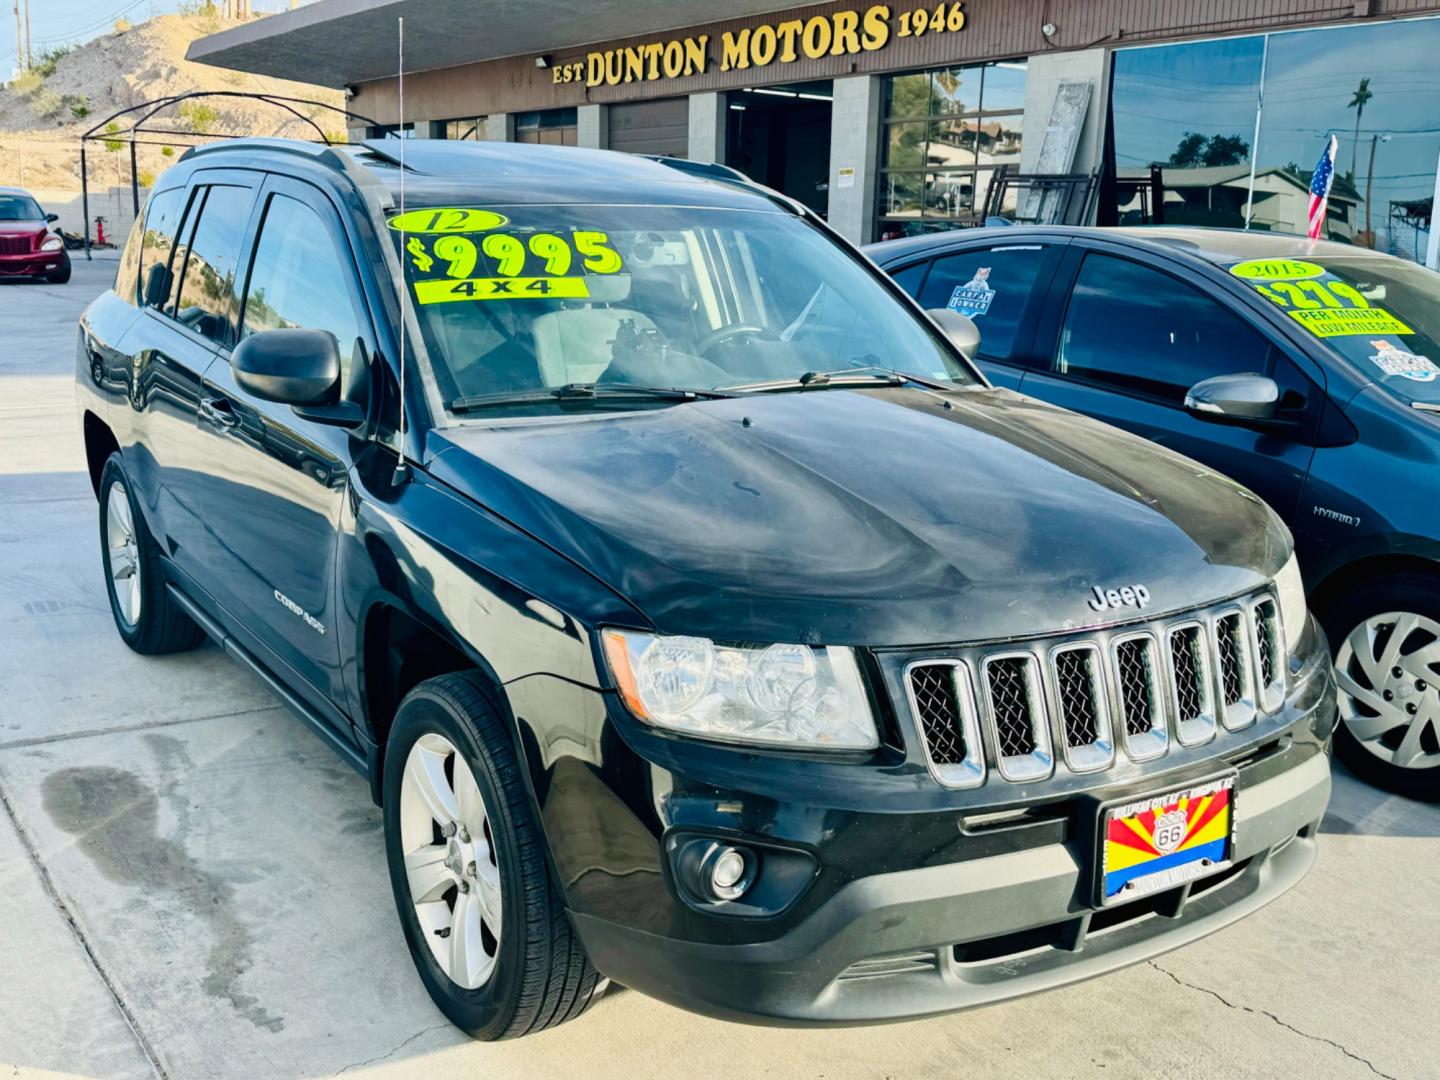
(780, 136)
(651, 127)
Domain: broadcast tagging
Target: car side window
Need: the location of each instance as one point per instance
(206, 299)
(299, 278)
(1141, 331)
(910, 277)
(992, 286)
(162, 224)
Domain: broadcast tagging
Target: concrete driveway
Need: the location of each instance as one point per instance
(192, 885)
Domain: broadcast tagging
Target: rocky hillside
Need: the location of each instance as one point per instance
(44, 111)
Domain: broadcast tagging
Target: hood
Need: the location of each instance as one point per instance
(883, 517)
(21, 228)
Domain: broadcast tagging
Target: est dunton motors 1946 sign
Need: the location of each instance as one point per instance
(843, 33)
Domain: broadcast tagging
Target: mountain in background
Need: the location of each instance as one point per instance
(44, 111)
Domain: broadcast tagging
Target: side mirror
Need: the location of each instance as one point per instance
(50, 219)
(960, 329)
(157, 285)
(293, 367)
(1234, 397)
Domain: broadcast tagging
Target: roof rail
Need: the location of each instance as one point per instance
(318, 152)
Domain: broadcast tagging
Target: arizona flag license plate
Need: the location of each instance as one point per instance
(1159, 841)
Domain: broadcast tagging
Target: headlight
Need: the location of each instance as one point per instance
(1290, 595)
(776, 695)
(52, 243)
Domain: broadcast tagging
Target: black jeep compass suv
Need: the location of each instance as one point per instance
(700, 616)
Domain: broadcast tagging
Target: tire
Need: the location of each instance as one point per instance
(530, 972)
(61, 276)
(148, 619)
(1389, 731)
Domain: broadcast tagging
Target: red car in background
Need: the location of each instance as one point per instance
(27, 246)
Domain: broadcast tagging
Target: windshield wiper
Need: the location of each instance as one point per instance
(582, 392)
(842, 378)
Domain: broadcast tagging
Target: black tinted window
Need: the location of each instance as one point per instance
(991, 286)
(299, 278)
(1143, 331)
(910, 277)
(162, 223)
(207, 301)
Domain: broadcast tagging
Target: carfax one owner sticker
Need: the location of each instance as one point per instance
(974, 298)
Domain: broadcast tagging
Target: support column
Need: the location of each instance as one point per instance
(498, 127)
(593, 126)
(708, 115)
(854, 155)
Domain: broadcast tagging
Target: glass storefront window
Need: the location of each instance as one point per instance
(469, 129)
(945, 131)
(555, 127)
(1184, 120)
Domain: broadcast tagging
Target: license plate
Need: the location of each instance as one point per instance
(1157, 842)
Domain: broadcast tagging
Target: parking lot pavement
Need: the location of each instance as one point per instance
(192, 885)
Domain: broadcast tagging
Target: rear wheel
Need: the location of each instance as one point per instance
(148, 619)
(485, 923)
(1386, 638)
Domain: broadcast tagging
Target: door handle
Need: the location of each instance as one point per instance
(219, 411)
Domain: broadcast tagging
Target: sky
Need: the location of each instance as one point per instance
(59, 22)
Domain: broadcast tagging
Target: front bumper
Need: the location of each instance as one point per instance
(919, 942)
(34, 264)
(919, 900)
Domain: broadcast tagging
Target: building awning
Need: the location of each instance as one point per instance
(338, 42)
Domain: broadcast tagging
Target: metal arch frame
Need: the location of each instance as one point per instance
(150, 108)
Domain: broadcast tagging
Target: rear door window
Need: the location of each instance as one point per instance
(207, 301)
(992, 286)
(162, 225)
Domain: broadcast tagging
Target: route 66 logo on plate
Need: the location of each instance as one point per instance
(1170, 829)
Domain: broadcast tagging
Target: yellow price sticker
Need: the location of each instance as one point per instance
(501, 288)
(1347, 322)
(1277, 270)
(447, 219)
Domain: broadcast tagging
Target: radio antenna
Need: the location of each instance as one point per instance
(402, 469)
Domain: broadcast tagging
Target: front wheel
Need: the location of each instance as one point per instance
(1386, 638)
(148, 619)
(484, 921)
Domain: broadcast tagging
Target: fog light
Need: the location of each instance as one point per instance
(725, 872)
(729, 868)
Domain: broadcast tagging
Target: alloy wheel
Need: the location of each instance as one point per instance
(1388, 669)
(450, 861)
(124, 554)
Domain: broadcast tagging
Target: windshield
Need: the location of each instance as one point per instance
(513, 301)
(1381, 313)
(19, 208)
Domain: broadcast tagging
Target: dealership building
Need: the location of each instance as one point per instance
(904, 117)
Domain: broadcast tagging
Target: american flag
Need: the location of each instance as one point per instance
(1320, 184)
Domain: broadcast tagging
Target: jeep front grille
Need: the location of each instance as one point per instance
(942, 701)
(1190, 683)
(1015, 705)
(1269, 653)
(1139, 688)
(1233, 661)
(1082, 706)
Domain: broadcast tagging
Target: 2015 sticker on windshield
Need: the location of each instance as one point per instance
(448, 245)
(1332, 308)
(974, 298)
(1393, 360)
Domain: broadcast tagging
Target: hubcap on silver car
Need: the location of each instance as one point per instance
(1389, 674)
(450, 861)
(124, 555)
